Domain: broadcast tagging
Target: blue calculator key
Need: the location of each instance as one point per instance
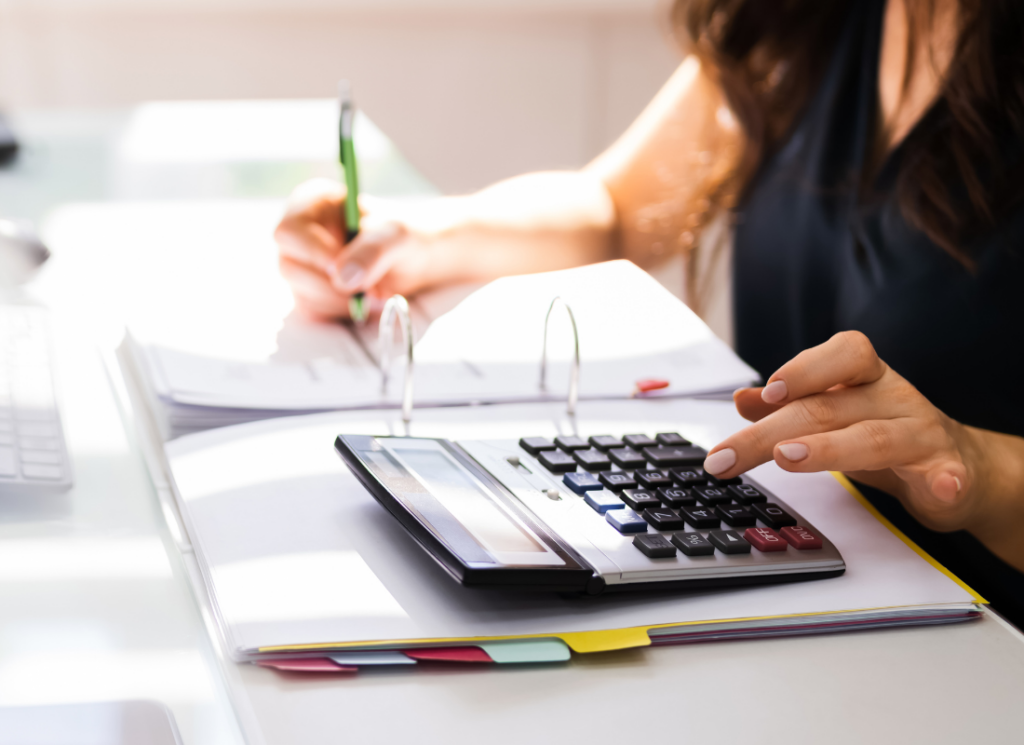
(626, 521)
(617, 480)
(534, 445)
(605, 442)
(652, 478)
(602, 501)
(581, 483)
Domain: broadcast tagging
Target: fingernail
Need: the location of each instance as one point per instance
(351, 276)
(959, 486)
(794, 451)
(774, 392)
(721, 461)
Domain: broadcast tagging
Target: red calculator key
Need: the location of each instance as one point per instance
(801, 538)
(765, 539)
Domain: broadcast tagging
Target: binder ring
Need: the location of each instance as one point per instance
(574, 374)
(396, 306)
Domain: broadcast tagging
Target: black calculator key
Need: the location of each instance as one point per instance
(627, 458)
(734, 481)
(666, 456)
(652, 477)
(617, 480)
(569, 443)
(689, 476)
(673, 496)
(639, 441)
(671, 438)
(729, 541)
(556, 461)
(654, 545)
(746, 494)
(605, 442)
(593, 460)
(663, 518)
(693, 544)
(640, 499)
(773, 516)
(700, 517)
(737, 515)
(712, 495)
(534, 445)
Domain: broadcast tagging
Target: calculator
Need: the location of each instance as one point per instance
(593, 515)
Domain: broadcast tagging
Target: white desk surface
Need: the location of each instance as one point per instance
(94, 603)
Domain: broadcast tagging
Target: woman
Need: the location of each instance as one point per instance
(869, 154)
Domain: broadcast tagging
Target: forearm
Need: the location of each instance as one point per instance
(531, 223)
(997, 515)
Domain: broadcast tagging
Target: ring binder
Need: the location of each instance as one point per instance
(397, 306)
(574, 374)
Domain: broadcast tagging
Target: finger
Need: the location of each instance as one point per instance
(870, 445)
(366, 258)
(810, 415)
(307, 242)
(314, 294)
(846, 359)
(751, 406)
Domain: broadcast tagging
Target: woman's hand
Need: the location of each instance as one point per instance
(838, 407)
(388, 256)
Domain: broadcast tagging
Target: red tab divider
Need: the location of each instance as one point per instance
(307, 665)
(449, 654)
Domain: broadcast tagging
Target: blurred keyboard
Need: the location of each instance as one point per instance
(33, 454)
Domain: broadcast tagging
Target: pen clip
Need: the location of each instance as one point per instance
(396, 306)
(574, 374)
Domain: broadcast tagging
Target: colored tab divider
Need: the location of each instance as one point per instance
(525, 651)
(372, 657)
(449, 654)
(307, 665)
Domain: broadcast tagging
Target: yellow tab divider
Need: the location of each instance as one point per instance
(848, 485)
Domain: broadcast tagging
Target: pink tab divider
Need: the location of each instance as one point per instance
(307, 665)
(449, 654)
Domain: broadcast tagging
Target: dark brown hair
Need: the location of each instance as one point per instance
(957, 178)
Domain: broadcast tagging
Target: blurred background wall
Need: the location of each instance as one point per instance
(470, 90)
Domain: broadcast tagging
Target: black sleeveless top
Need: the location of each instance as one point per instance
(812, 257)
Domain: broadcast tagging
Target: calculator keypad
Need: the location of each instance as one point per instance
(655, 489)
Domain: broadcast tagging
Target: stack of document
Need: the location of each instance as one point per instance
(301, 569)
(486, 350)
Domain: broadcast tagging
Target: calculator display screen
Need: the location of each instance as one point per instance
(470, 503)
(459, 505)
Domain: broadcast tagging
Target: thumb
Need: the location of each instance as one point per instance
(363, 262)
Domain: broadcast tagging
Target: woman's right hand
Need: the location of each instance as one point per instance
(388, 255)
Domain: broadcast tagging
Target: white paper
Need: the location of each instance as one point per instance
(266, 494)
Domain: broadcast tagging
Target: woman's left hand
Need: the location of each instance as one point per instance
(838, 407)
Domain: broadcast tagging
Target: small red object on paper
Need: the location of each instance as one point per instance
(307, 665)
(801, 538)
(649, 384)
(765, 539)
(449, 654)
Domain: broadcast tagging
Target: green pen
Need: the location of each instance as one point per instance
(347, 156)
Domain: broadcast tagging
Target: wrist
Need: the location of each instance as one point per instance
(996, 493)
